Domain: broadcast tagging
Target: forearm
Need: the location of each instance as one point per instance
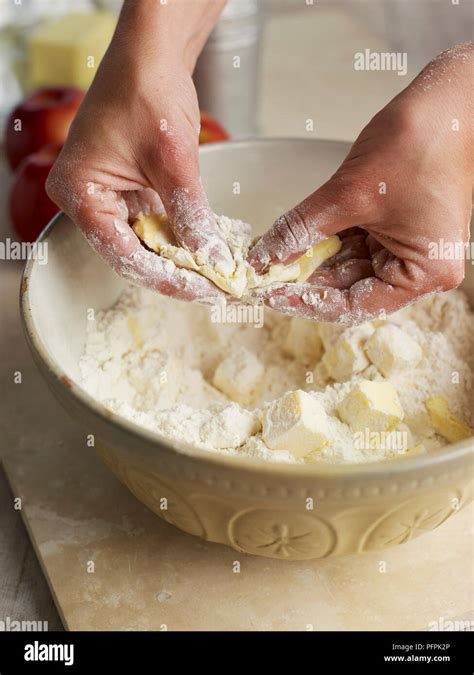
(178, 28)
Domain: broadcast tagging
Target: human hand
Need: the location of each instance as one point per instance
(405, 184)
(134, 147)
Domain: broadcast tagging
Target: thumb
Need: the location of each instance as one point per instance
(174, 173)
(336, 206)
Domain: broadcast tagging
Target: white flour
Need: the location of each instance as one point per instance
(152, 360)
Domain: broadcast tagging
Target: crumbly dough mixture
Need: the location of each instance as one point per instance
(155, 232)
(291, 390)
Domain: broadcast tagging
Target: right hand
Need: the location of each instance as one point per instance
(133, 147)
(424, 167)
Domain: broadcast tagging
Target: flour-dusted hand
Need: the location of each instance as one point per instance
(405, 185)
(134, 147)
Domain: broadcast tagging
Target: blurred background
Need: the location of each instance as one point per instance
(302, 46)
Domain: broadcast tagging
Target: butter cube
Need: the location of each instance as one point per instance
(297, 423)
(239, 376)
(315, 256)
(347, 356)
(392, 349)
(303, 341)
(68, 50)
(329, 333)
(155, 385)
(445, 422)
(372, 406)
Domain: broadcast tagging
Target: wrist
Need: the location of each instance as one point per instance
(175, 30)
(443, 90)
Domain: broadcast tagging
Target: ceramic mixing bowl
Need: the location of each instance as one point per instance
(292, 512)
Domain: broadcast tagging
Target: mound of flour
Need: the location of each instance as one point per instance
(152, 360)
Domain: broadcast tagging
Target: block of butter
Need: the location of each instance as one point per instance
(392, 349)
(239, 375)
(68, 50)
(302, 340)
(297, 423)
(372, 406)
(329, 333)
(445, 422)
(347, 356)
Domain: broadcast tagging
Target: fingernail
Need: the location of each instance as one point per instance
(259, 258)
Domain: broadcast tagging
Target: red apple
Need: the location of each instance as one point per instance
(30, 207)
(42, 118)
(211, 130)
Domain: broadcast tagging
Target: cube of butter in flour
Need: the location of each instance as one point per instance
(372, 406)
(297, 423)
(239, 376)
(347, 356)
(157, 381)
(445, 422)
(303, 341)
(392, 349)
(329, 333)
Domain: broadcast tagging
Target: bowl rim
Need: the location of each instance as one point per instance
(446, 455)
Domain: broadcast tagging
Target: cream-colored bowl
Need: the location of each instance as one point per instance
(291, 512)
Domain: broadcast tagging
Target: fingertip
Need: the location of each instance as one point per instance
(318, 303)
(195, 227)
(259, 258)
